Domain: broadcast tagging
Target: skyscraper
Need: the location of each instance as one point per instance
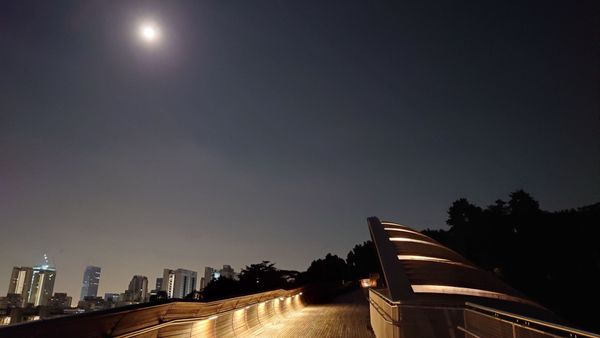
(208, 276)
(20, 282)
(42, 283)
(158, 286)
(179, 283)
(91, 279)
(138, 289)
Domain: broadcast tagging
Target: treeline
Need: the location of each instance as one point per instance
(553, 257)
(324, 278)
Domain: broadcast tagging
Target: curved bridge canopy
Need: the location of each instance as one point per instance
(415, 267)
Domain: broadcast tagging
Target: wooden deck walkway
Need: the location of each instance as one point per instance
(346, 316)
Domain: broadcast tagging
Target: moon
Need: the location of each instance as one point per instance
(149, 32)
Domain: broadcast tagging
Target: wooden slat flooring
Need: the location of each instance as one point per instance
(346, 316)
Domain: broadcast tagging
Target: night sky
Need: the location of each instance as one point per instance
(270, 130)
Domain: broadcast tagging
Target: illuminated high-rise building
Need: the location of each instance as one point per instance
(179, 283)
(20, 282)
(91, 280)
(42, 283)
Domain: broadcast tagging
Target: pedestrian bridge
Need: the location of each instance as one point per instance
(235, 317)
(427, 290)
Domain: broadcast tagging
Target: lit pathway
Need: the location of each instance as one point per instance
(346, 316)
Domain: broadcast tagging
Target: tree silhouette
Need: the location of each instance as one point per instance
(221, 288)
(261, 276)
(521, 203)
(330, 269)
(553, 257)
(362, 261)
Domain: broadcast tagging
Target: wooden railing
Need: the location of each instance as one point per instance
(234, 316)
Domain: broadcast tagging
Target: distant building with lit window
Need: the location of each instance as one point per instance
(42, 284)
(60, 300)
(212, 274)
(20, 282)
(228, 272)
(91, 280)
(158, 285)
(178, 283)
(111, 297)
(208, 277)
(138, 289)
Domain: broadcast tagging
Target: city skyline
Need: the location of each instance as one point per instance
(21, 281)
(141, 135)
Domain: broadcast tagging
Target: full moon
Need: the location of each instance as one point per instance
(149, 32)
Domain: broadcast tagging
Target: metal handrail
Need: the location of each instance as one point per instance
(386, 318)
(541, 323)
(460, 328)
(408, 305)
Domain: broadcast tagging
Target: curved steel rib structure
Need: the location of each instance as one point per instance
(432, 291)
